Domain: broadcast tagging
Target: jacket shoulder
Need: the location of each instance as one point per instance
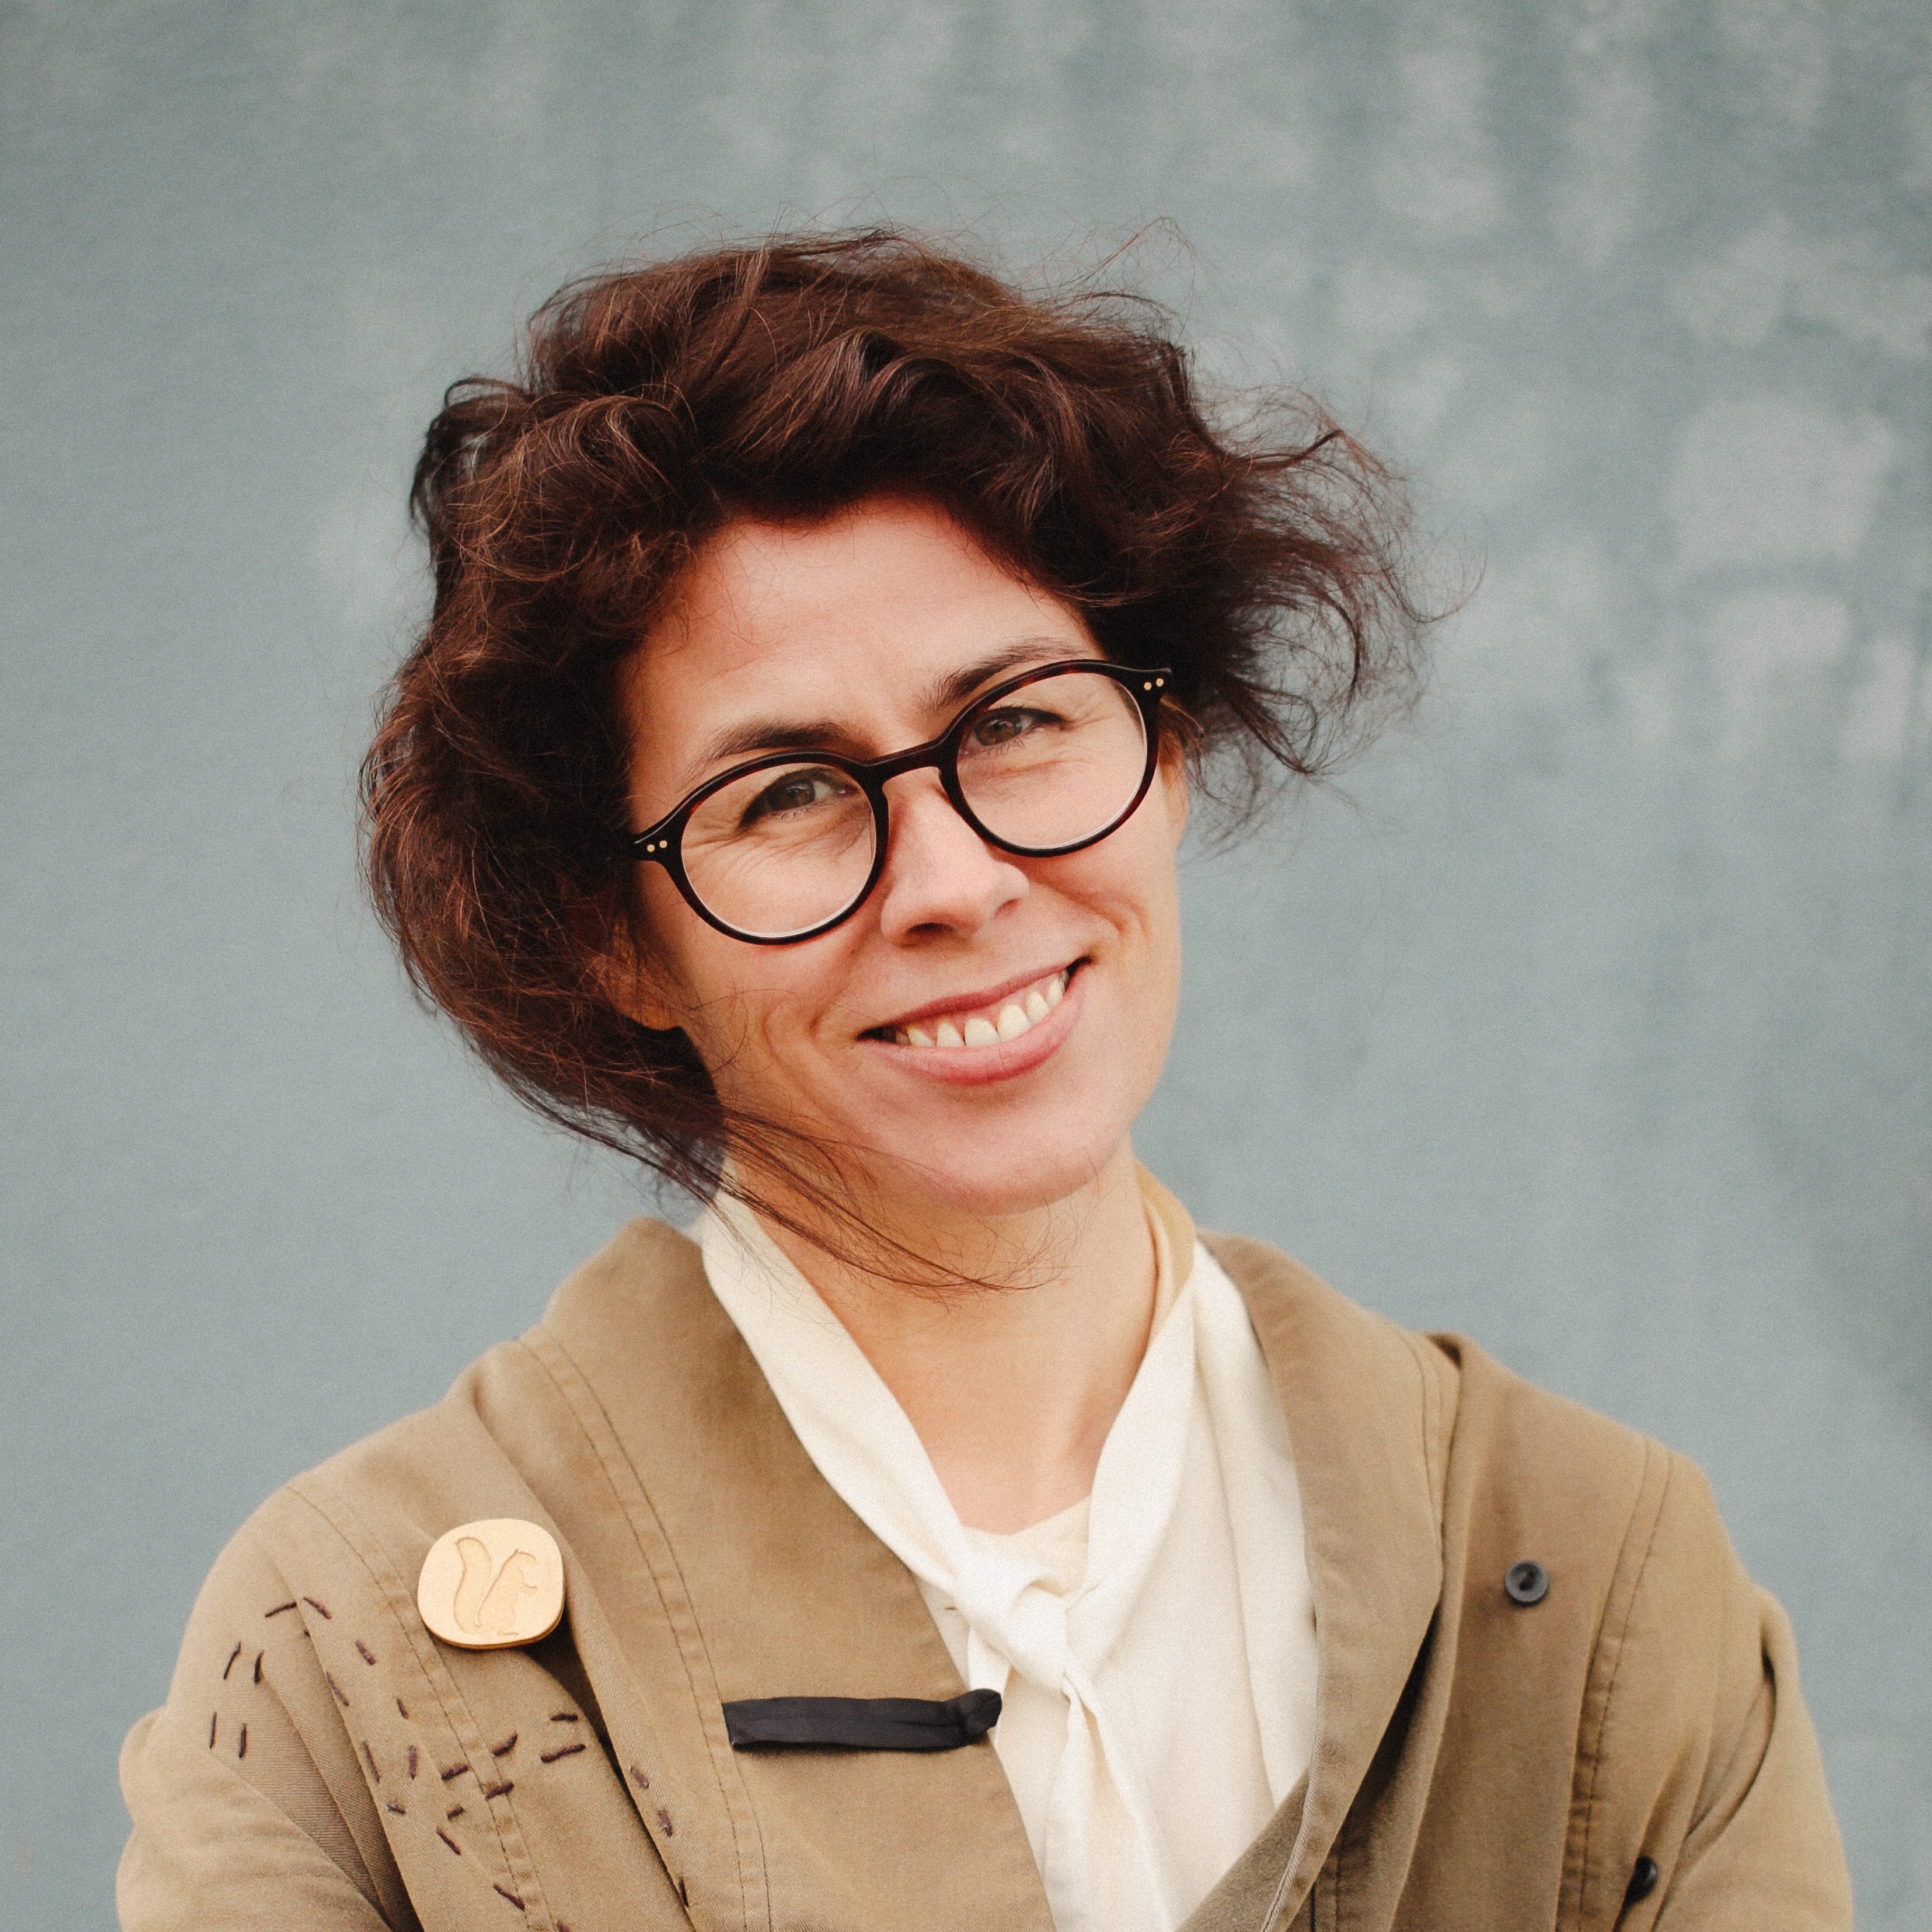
(244, 1780)
(1681, 1733)
(1518, 1448)
(459, 1458)
(295, 1668)
(1633, 1697)
(321, 1749)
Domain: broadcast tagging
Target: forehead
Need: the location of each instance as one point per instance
(888, 594)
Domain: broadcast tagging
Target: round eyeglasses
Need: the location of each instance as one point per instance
(785, 847)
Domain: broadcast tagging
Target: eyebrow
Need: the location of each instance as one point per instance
(823, 734)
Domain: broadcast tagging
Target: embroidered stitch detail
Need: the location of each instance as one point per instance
(564, 1717)
(213, 1724)
(315, 1603)
(259, 1656)
(241, 1750)
(684, 1896)
(562, 1750)
(664, 1818)
(279, 1608)
(455, 1811)
(507, 1745)
(390, 1805)
(367, 1655)
(644, 1783)
(499, 1791)
(514, 1900)
(337, 1688)
(402, 1710)
(449, 1841)
(411, 1760)
(370, 1756)
(230, 1665)
(456, 1770)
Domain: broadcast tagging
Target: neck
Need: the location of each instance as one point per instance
(1011, 1389)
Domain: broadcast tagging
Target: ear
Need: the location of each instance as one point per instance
(637, 990)
(634, 982)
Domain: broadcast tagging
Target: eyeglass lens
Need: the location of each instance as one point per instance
(788, 847)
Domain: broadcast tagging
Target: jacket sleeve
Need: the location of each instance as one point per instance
(1763, 1849)
(249, 1809)
(1699, 1675)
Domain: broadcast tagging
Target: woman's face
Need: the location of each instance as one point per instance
(866, 633)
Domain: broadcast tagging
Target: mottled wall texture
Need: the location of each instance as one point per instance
(1590, 1016)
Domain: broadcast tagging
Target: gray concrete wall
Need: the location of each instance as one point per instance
(1593, 1020)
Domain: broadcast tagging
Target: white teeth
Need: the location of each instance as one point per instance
(1015, 1017)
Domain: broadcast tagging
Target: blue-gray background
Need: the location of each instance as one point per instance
(1593, 1021)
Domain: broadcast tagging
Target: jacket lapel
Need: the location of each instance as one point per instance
(767, 1585)
(1369, 1409)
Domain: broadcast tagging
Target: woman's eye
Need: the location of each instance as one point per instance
(1002, 727)
(797, 791)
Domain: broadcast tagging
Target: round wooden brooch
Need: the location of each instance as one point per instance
(492, 1584)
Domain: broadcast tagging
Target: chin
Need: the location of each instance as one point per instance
(997, 1194)
(992, 1169)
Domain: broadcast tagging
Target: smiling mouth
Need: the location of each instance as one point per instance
(995, 1024)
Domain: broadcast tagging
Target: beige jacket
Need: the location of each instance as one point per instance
(1478, 1763)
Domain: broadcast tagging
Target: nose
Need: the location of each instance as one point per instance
(940, 876)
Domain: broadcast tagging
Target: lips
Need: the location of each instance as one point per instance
(1005, 1034)
(980, 1020)
(994, 1023)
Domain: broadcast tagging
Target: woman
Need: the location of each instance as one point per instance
(828, 644)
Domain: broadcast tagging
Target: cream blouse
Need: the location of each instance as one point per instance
(1154, 1645)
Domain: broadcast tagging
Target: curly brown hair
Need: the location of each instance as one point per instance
(1261, 559)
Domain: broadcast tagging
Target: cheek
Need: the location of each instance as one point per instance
(1157, 914)
(1145, 883)
(745, 1008)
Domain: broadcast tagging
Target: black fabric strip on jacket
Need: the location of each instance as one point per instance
(860, 1724)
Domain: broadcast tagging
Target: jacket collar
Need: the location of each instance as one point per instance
(1369, 1408)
